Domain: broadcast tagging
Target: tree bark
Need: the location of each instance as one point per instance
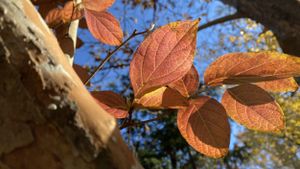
(280, 16)
(48, 120)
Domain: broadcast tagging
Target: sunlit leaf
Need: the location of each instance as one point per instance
(188, 84)
(97, 5)
(104, 27)
(163, 97)
(281, 85)
(112, 102)
(236, 68)
(204, 125)
(254, 108)
(164, 56)
(81, 72)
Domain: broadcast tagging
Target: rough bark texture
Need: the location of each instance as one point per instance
(280, 16)
(48, 120)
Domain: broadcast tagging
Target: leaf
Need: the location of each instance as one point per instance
(188, 84)
(112, 102)
(81, 72)
(164, 56)
(204, 125)
(54, 17)
(281, 85)
(104, 27)
(254, 108)
(69, 13)
(97, 5)
(236, 68)
(163, 97)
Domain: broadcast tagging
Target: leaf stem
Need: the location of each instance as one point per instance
(110, 54)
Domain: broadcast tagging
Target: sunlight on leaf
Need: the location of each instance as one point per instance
(254, 108)
(237, 68)
(164, 56)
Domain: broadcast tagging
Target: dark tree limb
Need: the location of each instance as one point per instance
(220, 20)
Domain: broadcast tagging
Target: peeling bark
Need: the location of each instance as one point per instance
(280, 16)
(48, 120)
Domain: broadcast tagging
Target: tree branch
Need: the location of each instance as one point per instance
(220, 20)
(110, 54)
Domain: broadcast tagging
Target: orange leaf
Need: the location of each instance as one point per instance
(236, 68)
(253, 107)
(69, 13)
(104, 27)
(81, 72)
(54, 17)
(163, 97)
(204, 125)
(188, 84)
(97, 5)
(112, 102)
(164, 56)
(281, 85)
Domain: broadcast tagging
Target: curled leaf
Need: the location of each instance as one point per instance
(70, 13)
(112, 102)
(188, 84)
(254, 108)
(104, 27)
(281, 85)
(97, 5)
(237, 68)
(163, 97)
(164, 56)
(205, 126)
(54, 17)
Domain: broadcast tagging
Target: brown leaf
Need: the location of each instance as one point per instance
(112, 102)
(204, 125)
(81, 72)
(104, 27)
(163, 97)
(70, 13)
(45, 8)
(97, 5)
(236, 68)
(164, 56)
(188, 84)
(54, 17)
(281, 85)
(254, 108)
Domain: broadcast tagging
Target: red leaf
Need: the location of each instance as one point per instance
(205, 126)
(112, 102)
(161, 98)
(281, 85)
(253, 107)
(97, 5)
(81, 72)
(69, 13)
(163, 57)
(104, 27)
(188, 84)
(236, 68)
(54, 17)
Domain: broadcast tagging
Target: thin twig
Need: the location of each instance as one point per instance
(133, 124)
(110, 54)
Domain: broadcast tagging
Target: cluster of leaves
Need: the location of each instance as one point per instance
(162, 76)
(102, 25)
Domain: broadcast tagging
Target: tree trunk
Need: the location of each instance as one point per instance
(280, 16)
(48, 120)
